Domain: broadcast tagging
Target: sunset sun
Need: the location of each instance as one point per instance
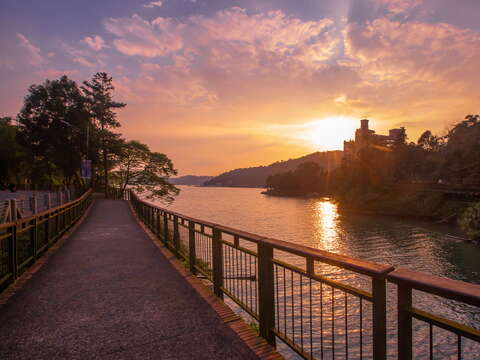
(328, 133)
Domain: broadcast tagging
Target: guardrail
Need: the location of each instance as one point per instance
(289, 291)
(24, 240)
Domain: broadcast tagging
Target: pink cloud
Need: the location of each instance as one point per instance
(34, 54)
(137, 36)
(95, 43)
(153, 4)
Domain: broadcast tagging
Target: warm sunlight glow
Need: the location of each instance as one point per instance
(329, 133)
(326, 213)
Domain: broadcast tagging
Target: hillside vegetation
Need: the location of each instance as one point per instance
(190, 180)
(257, 176)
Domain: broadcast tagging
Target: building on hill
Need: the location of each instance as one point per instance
(366, 137)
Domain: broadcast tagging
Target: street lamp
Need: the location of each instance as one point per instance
(86, 166)
(76, 127)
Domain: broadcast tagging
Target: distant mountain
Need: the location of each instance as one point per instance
(190, 180)
(256, 176)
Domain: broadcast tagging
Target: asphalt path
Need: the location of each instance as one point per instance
(109, 293)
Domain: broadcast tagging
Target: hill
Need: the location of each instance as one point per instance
(257, 176)
(190, 180)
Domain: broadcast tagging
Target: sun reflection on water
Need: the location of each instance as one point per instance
(326, 215)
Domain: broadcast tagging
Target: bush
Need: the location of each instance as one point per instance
(470, 221)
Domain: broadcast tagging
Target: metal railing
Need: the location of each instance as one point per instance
(22, 241)
(295, 295)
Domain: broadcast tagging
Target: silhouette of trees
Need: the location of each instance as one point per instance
(98, 94)
(53, 124)
(61, 123)
(144, 171)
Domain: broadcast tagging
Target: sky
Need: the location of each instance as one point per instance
(222, 84)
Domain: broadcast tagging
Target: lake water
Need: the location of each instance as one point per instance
(422, 246)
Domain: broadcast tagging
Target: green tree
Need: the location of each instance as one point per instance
(53, 125)
(145, 172)
(12, 155)
(461, 157)
(101, 106)
(470, 221)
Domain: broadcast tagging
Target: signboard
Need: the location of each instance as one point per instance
(86, 169)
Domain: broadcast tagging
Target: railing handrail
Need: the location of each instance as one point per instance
(46, 212)
(436, 285)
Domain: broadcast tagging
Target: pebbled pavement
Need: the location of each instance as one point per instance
(109, 293)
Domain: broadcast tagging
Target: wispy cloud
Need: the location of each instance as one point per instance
(35, 57)
(153, 4)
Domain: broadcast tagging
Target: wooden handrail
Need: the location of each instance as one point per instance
(451, 289)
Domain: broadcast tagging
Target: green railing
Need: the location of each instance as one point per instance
(297, 296)
(22, 241)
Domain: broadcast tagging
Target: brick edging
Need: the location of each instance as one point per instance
(247, 335)
(12, 289)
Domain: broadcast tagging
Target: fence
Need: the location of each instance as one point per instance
(24, 240)
(301, 304)
(29, 203)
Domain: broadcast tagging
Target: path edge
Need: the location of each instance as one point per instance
(20, 282)
(258, 345)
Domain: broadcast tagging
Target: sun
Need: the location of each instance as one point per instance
(328, 133)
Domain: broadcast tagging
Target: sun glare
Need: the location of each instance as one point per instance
(329, 133)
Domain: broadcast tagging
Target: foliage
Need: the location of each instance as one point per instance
(144, 171)
(98, 93)
(307, 179)
(470, 221)
(53, 124)
(12, 153)
(61, 124)
(257, 176)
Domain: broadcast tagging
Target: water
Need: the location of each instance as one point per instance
(422, 246)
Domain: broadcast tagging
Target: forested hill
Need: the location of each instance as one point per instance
(257, 176)
(190, 180)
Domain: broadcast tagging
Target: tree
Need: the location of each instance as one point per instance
(430, 142)
(53, 125)
(101, 106)
(11, 153)
(145, 172)
(462, 152)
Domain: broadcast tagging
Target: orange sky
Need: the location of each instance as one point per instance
(225, 87)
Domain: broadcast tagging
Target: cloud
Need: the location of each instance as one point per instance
(136, 36)
(235, 72)
(34, 54)
(95, 43)
(153, 4)
(83, 55)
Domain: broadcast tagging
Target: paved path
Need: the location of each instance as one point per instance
(109, 293)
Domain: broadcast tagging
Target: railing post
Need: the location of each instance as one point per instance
(404, 319)
(379, 318)
(13, 251)
(192, 255)
(165, 227)
(34, 205)
(176, 236)
(34, 238)
(217, 262)
(158, 224)
(47, 201)
(266, 293)
(13, 210)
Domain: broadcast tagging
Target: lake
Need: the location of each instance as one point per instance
(422, 246)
